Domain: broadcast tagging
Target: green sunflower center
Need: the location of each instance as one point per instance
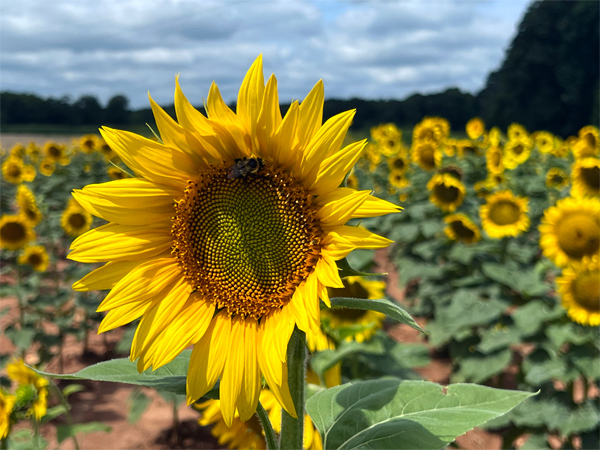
(247, 242)
(462, 231)
(504, 212)
(77, 220)
(586, 290)
(13, 232)
(591, 176)
(447, 194)
(578, 235)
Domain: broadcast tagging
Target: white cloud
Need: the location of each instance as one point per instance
(367, 49)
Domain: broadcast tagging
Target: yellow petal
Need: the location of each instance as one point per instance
(151, 160)
(324, 295)
(229, 124)
(311, 301)
(357, 236)
(250, 97)
(248, 399)
(374, 206)
(142, 283)
(269, 120)
(310, 116)
(233, 373)
(299, 309)
(208, 357)
(114, 242)
(123, 315)
(105, 277)
(336, 209)
(328, 272)
(283, 155)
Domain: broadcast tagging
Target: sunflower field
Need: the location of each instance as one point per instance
(234, 255)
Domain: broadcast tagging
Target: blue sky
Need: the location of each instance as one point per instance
(368, 49)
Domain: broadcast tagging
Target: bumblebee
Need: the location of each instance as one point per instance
(244, 166)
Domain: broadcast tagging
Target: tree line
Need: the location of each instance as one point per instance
(548, 80)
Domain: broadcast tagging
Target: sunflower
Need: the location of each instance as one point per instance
(398, 164)
(475, 128)
(493, 160)
(545, 141)
(36, 257)
(18, 151)
(227, 237)
(557, 178)
(367, 321)
(47, 167)
(516, 131)
(33, 151)
(56, 152)
(24, 376)
(431, 129)
(15, 232)
(13, 170)
(426, 154)
(579, 288)
(504, 214)
(318, 342)
(115, 173)
(249, 434)
(88, 143)
(585, 177)
(466, 147)
(389, 138)
(75, 219)
(447, 192)
(105, 150)
(569, 231)
(7, 403)
(449, 147)
(588, 143)
(398, 179)
(372, 153)
(516, 152)
(461, 228)
(28, 206)
(495, 137)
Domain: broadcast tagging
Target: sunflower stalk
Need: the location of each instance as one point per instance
(267, 427)
(292, 429)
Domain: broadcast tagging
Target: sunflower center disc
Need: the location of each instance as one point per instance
(591, 175)
(461, 230)
(13, 232)
(586, 290)
(578, 236)
(504, 213)
(76, 220)
(446, 194)
(246, 243)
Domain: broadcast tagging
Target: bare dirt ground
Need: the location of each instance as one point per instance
(7, 140)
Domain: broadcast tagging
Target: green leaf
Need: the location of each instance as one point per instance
(570, 333)
(525, 282)
(464, 253)
(21, 338)
(65, 431)
(584, 417)
(72, 389)
(479, 368)
(138, 402)
(536, 442)
(347, 271)
(400, 414)
(384, 306)
(529, 318)
(494, 339)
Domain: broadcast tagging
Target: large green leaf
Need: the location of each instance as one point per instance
(526, 282)
(384, 306)
(397, 414)
(170, 377)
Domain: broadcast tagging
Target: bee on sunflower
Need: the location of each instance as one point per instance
(579, 289)
(228, 264)
(569, 231)
(447, 192)
(461, 228)
(585, 177)
(504, 214)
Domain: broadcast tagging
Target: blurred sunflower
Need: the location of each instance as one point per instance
(36, 257)
(449, 147)
(105, 150)
(579, 288)
(24, 376)
(516, 152)
(453, 170)
(88, 143)
(585, 178)
(249, 434)
(47, 167)
(227, 253)
(398, 179)
(588, 143)
(13, 170)
(116, 173)
(15, 232)
(372, 153)
(493, 160)
(33, 151)
(447, 192)
(461, 228)
(466, 147)
(7, 403)
(318, 342)
(431, 129)
(385, 132)
(426, 154)
(504, 214)
(565, 148)
(398, 164)
(570, 231)
(56, 152)
(475, 128)
(495, 137)
(75, 220)
(365, 322)
(545, 141)
(557, 178)
(28, 206)
(516, 131)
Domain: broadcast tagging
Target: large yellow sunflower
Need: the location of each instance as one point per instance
(28, 206)
(36, 257)
(570, 230)
(461, 228)
(475, 128)
(504, 214)
(585, 177)
(227, 237)
(426, 154)
(447, 192)
(75, 220)
(15, 232)
(23, 375)
(557, 178)
(369, 321)
(579, 288)
(7, 403)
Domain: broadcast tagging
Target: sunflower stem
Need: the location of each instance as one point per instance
(267, 427)
(292, 429)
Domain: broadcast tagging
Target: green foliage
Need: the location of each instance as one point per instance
(400, 414)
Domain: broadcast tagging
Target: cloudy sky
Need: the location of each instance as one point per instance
(369, 49)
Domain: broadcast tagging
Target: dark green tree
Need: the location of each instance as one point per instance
(117, 111)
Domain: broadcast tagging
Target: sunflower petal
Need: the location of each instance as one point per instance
(233, 373)
(336, 210)
(311, 113)
(357, 236)
(250, 97)
(328, 272)
(269, 119)
(105, 277)
(248, 399)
